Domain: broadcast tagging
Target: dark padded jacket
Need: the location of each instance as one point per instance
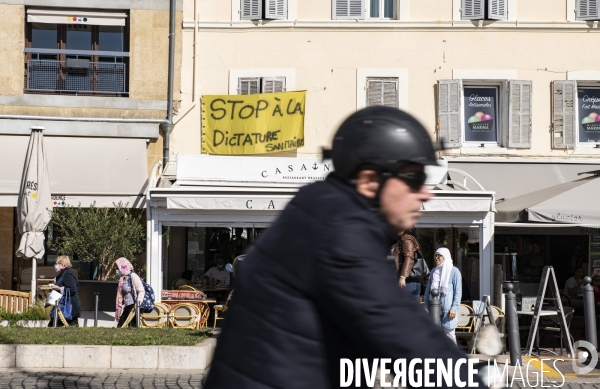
(317, 287)
(68, 279)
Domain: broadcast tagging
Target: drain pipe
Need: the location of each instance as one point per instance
(168, 126)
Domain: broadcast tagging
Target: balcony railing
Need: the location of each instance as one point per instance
(76, 75)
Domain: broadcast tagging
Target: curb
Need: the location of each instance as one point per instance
(35, 356)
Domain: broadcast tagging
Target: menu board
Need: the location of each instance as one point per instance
(595, 254)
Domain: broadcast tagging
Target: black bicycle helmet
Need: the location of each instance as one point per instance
(382, 138)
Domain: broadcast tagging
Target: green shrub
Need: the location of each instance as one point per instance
(35, 312)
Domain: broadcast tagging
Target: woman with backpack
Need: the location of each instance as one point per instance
(130, 290)
(410, 265)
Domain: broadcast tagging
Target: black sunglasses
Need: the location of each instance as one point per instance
(415, 180)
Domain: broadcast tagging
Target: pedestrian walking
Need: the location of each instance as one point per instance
(66, 279)
(130, 290)
(316, 287)
(446, 278)
(411, 269)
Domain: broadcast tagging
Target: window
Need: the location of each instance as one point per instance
(263, 9)
(382, 9)
(476, 113)
(253, 85)
(375, 9)
(76, 52)
(575, 114)
(382, 91)
(587, 10)
(484, 9)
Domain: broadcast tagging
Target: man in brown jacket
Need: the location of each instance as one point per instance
(404, 254)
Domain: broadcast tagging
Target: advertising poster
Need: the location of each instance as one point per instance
(595, 254)
(589, 114)
(481, 124)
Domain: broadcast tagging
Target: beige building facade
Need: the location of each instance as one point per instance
(94, 75)
(510, 86)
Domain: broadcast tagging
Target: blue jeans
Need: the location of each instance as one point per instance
(413, 288)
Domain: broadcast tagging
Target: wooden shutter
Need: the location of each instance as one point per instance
(348, 9)
(382, 91)
(248, 85)
(276, 9)
(519, 112)
(251, 9)
(564, 96)
(587, 9)
(273, 84)
(449, 123)
(472, 9)
(497, 9)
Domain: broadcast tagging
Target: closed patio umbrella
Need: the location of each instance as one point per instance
(35, 203)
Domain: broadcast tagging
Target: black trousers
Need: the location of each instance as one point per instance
(125, 314)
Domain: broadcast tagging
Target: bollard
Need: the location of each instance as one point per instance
(137, 314)
(514, 341)
(56, 315)
(589, 311)
(434, 307)
(96, 309)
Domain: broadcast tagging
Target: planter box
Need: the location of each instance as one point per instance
(27, 323)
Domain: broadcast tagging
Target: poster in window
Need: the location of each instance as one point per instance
(589, 114)
(481, 123)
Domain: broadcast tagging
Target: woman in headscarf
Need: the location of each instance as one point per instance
(130, 290)
(447, 280)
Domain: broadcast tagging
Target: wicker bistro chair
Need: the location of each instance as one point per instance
(221, 308)
(187, 287)
(184, 315)
(465, 318)
(157, 318)
(204, 312)
(179, 282)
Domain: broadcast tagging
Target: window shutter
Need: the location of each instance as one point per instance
(248, 85)
(497, 9)
(472, 9)
(251, 9)
(276, 9)
(564, 95)
(519, 108)
(348, 9)
(449, 123)
(587, 9)
(382, 91)
(273, 84)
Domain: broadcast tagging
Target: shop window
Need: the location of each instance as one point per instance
(263, 9)
(382, 91)
(76, 52)
(252, 85)
(484, 9)
(587, 10)
(575, 114)
(479, 113)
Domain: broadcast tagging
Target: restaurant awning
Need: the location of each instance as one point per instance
(510, 178)
(82, 170)
(573, 202)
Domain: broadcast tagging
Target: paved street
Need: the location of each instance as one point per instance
(13, 378)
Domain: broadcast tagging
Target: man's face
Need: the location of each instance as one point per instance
(399, 204)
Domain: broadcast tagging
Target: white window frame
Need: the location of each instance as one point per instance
(361, 84)
(381, 9)
(235, 74)
(236, 12)
(501, 109)
(511, 11)
(584, 79)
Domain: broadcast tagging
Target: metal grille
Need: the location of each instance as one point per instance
(54, 76)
